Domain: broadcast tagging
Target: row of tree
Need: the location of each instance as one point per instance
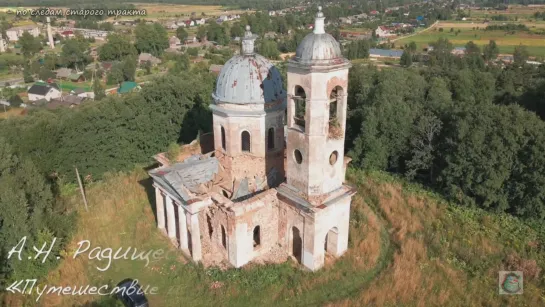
(470, 132)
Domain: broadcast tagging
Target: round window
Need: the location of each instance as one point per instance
(298, 156)
(333, 157)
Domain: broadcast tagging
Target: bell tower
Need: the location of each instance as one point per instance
(316, 115)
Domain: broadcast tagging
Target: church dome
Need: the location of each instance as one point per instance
(248, 78)
(319, 47)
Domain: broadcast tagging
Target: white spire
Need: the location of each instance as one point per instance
(248, 42)
(319, 27)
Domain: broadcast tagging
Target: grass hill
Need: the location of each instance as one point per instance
(408, 247)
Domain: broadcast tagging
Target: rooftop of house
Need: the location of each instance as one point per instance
(386, 52)
(39, 88)
(127, 86)
(63, 72)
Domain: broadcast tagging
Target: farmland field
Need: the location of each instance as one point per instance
(505, 41)
(158, 11)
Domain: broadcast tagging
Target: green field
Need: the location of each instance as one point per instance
(505, 41)
(407, 247)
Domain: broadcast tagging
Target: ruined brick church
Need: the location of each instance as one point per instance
(274, 181)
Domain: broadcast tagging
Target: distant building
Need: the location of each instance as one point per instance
(76, 77)
(383, 31)
(145, 57)
(190, 40)
(200, 22)
(458, 51)
(43, 91)
(174, 42)
(63, 73)
(15, 33)
(345, 20)
(385, 53)
(68, 101)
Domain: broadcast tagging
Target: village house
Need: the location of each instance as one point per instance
(385, 53)
(13, 34)
(265, 191)
(43, 91)
(127, 87)
(63, 73)
(383, 31)
(190, 40)
(200, 22)
(76, 77)
(174, 42)
(68, 101)
(345, 20)
(146, 57)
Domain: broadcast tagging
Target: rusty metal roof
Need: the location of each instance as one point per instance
(248, 78)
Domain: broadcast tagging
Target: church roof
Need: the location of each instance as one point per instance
(248, 78)
(319, 47)
(186, 176)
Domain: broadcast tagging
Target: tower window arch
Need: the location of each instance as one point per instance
(257, 236)
(223, 138)
(335, 103)
(270, 138)
(245, 141)
(299, 100)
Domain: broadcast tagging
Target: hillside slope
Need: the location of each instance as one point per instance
(407, 247)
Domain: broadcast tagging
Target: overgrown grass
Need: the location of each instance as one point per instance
(407, 247)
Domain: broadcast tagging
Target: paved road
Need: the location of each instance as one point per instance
(12, 81)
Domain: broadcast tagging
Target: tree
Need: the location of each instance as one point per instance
(181, 64)
(423, 146)
(51, 61)
(406, 59)
(74, 53)
(27, 209)
(491, 51)
(412, 47)
(472, 48)
(30, 45)
(15, 101)
(147, 67)
(116, 75)
(201, 33)
(116, 48)
(181, 34)
(269, 49)
(129, 68)
(151, 39)
(98, 89)
(45, 74)
(237, 30)
(27, 75)
(520, 56)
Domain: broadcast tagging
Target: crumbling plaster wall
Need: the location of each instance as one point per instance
(260, 210)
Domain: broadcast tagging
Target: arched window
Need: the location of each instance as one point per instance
(245, 140)
(257, 236)
(270, 138)
(222, 138)
(223, 237)
(335, 101)
(300, 107)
